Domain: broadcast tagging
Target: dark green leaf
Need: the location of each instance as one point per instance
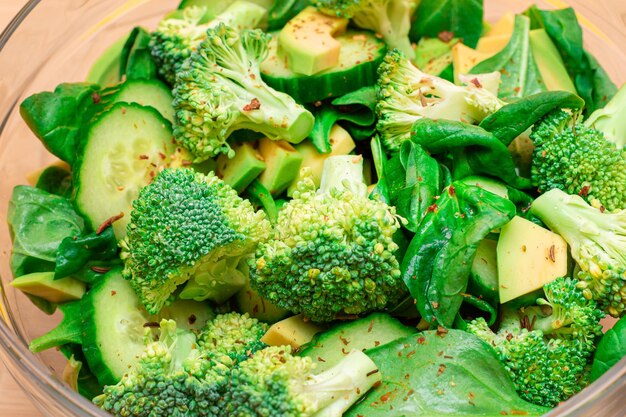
(464, 18)
(437, 264)
(75, 252)
(437, 374)
(520, 75)
(514, 119)
(68, 331)
(471, 148)
(283, 11)
(56, 180)
(259, 195)
(611, 349)
(136, 58)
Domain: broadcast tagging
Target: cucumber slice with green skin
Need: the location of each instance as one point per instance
(361, 54)
(483, 281)
(113, 328)
(151, 93)
(330, 347)
(124, 148)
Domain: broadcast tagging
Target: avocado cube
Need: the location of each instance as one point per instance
(528, 257)
(43, 285)
(293, 331)
(283, 164)
(307, 41)
(341, 143)
(243, 168)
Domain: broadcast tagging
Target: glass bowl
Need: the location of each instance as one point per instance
(54, 41)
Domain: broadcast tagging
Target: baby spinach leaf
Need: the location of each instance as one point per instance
(472, 149)
(75, 252)
(611, 349)
(136, 58)
(441, 373)
(437, 263)
(283, 11)
(464, 18)
(56, 180)
(592, 82)
(38, 223)
(520, 74)
(514, 119)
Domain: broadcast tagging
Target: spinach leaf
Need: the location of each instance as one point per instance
(437, 374)
(75, 252)
(56, 118)
(437, 263)
(514, 119)
(520, 74)
(464, 18)
(56, 180)
(136, 58)
(38, 223)
(611, 349)
(591, 81)
(472, 150)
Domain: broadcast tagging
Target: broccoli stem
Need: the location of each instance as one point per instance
(343, 172)
(336, 389)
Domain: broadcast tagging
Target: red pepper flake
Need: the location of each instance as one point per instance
(320, 359)
(411, 353)
(100, 269)
(370, 373)
(108, 222)
(441, 331)
(113, 293)
(376, 343)
(407, 376)
(144, 157)
(472, 395)
(448, 357)
(432, 208)
(192, 319)
(435, 304)
(476, 82)
(408, 394)
(440, 353)
(421, 340)
(344, 340)
(255, 104)
(452, 191)
(517, 89)
(186, 162)
(162, 155)
(95, 97)
(151, 324)
(343, 350)
(584, 192)
(445, 36)
(369, 329)
(602, 209)
(385, 397)
(518, 413)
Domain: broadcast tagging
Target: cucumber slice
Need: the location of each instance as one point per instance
(483, 281)
(361, 54)
(113, 327)
(151, 93)
(123, 150)
(328, 348)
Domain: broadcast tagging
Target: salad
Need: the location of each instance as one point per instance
(331, 208)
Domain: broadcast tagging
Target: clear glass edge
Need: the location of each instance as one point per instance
(29, 368)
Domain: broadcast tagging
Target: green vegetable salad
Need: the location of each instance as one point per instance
(331, 208)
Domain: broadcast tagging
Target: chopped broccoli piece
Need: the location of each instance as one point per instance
(176, 37)
(172, 378)
(547, 348)
(220, 90)
(575, 158)
(190, 228)
(598, 245)
(274, 383)
(405, 94)
(332, 253)
(611, 120)
(389, 18)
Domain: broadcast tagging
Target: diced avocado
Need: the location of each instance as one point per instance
(249, 301)
(529, 256)
(243, 168)
(433, 55)
(43, 285)
(106, 70)
(293, 331)
(493, 44)
(549, 62)
(493, 186)
(465, 58)
(484, 273)
(504, 26)
(308, 42)
(341, 143)
(283, 164)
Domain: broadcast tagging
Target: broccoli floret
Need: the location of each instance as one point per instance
(220, 90)
(274, 383)
(332, 252)
(575, 158)
(405, 94)
(598, 245)
(389, 18)
(176, 37)
(233, 334)
(191, 228)
(171, 378)
(547, 348)
(611, 120)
